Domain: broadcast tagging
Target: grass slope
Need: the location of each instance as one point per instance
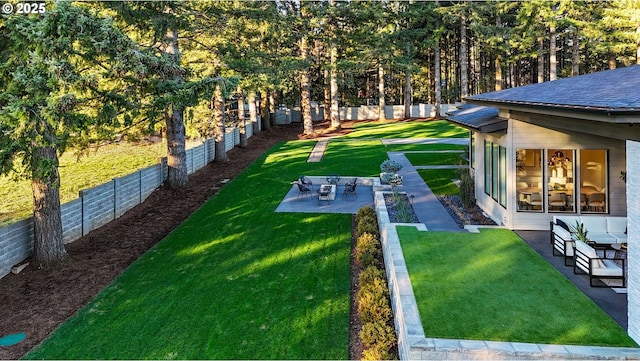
(236, 280)
(439, 181)
(418, 159)
(412, 129)
(492, 286)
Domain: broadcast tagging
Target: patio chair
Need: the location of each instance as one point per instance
(350, 189)
(303, 190)
(305, 181)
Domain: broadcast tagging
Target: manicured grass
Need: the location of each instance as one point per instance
(423, 147)
(95, 168)
(492, 286)
(439, 181)
(410, 129)
(236, 280)
(435, 158)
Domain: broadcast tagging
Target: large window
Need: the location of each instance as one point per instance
(529, 186)
(593, 181)
(560, 178)
(495, 172)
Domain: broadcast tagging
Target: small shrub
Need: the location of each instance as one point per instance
(378, 334)
(390, 166)
(373, 306)
(368, 225)
(377, 353)
(367, 251)
(467, 196)
(377, 286)
(369, 274)
(367, 211)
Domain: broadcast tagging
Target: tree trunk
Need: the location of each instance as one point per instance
(612, 60)
(498, 65)
(176, 151)
(217, 110)
(253, 113)
(327, 97)
(381, 98)
(335, 112)
(540, 60)
(553, 62)
(305, 90)
(437, 105)
(48, 247)
(575, 54)
(264, 110)
(242, 124)
(464, 58)
(407, 94)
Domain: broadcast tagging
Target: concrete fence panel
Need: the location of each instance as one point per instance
(150, 179)
(98, 205)
(71, 220)
(127, 193)
(228, 139)
(198, 157)
(16, 244)
(249, 130)
(236, 136)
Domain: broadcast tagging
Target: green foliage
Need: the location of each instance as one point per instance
(580, 231)
(373, 304)
(404, 210)
(467, 189)
(367, 250)
(369, 274)
(377, 352)
(378, 335)
(367, 211)
(368, 225)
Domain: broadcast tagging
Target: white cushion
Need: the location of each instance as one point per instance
(590, 253)
(610, 269)
(561, 232)
(595, 224)
(602, 237)
(616, 224)
(569, 220)
(620, 237)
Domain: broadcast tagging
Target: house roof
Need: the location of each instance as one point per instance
(610, 91)
(478, 118)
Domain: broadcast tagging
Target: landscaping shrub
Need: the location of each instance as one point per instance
(373, 305)
(367, 251)
(368, 225)
(364, 212)
(377, 353)
(378, 335)
(467, 196)
(369, 274)
(372, 299)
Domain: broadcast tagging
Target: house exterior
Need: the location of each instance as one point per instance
(566, 147)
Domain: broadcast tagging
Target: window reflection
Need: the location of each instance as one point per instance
(529, 180)
(560, 180)
(593, 181)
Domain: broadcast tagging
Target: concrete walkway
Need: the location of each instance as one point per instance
(427, 207)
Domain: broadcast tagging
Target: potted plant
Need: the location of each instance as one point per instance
(580, 232)
(389, 172)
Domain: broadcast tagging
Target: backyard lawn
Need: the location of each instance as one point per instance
(439, 158)
(236, 280)
(439, 181)
(493, 286)
(414, 129)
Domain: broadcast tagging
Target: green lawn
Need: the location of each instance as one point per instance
(439, 181)
(95, 168)
(411, 129)
(493, 286)
(418, 159)
(423, 147)
(235, 280)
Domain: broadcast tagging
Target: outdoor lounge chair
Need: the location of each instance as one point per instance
(350, 189)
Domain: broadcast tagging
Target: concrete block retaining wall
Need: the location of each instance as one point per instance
(102, 204)
(414, 345)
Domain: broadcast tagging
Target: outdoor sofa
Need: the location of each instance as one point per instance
(603, 231)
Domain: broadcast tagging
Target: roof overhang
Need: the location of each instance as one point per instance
(480, 119)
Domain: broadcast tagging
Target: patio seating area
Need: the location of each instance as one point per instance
(345, 198)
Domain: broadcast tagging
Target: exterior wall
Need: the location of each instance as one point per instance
(525, 135)
(633, 256)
